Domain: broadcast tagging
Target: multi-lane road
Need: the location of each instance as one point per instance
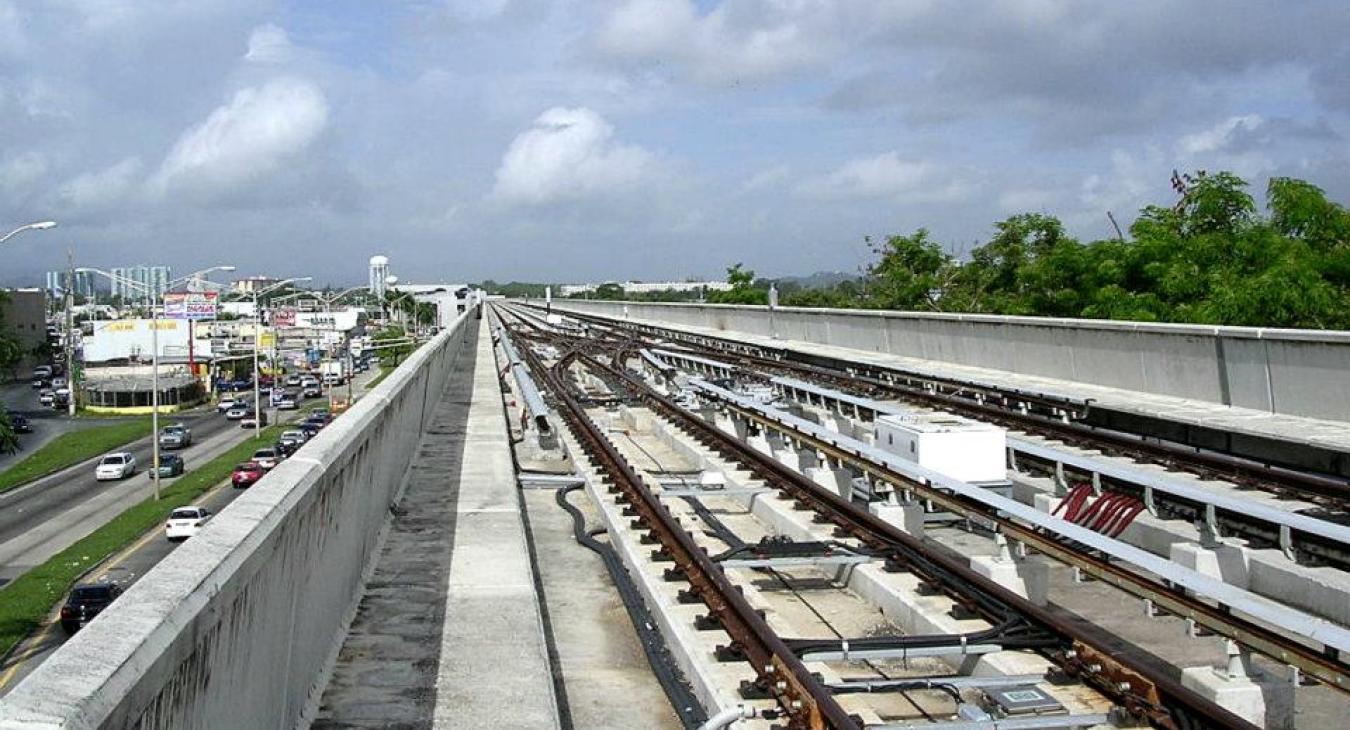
(43, 518)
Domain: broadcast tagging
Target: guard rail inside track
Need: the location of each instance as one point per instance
(1139, 690)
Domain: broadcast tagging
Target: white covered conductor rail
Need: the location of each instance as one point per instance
(1325, 632)
(1284, 522)
(534, 402)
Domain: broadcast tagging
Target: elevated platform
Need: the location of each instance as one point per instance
(448, 633)
(1249, 431)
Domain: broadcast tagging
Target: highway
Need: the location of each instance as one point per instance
(42, 518)
(71, 504)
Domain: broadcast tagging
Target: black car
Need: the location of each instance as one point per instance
(85, 602)
(310, 428)
(286, 447)
(20, 423)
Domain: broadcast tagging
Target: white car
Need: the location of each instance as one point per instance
(297, 436)
(266, 458)
(119, 465)
(185, 522)
(226, 404)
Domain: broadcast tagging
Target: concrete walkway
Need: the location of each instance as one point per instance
(449, 634)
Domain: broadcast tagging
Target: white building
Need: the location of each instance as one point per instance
(254, 284)
(140, 282)
(379, 271)
(644, 287)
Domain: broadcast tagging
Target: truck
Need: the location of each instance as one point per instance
(334, 372)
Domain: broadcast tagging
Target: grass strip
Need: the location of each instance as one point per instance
(72, 447)
(26, 602)
(384, 373)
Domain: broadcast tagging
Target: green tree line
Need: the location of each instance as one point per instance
(1214, 258)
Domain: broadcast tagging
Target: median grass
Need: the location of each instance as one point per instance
(26, 602)
(72, 448)
(384, 373)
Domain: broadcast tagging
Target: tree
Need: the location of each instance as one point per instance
(743, 289)
(910, 274)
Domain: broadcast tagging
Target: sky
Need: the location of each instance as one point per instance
(574, 140)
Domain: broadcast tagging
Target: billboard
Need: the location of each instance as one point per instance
(195, 305)
(283, 317)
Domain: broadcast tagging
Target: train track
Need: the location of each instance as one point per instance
(1139, 691)
(1052, 418)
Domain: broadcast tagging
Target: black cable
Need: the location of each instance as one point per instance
(676, 687)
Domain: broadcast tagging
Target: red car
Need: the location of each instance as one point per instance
(246, 474)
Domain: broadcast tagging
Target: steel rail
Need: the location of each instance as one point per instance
(1245, 471)
(971, 502)
(1142, 690)
(803, 697)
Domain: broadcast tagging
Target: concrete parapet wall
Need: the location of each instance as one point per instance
(237, 627)
(1293, 372)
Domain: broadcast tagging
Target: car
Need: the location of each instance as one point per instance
(118, 465)
(320, 413)
(171, 465)
(293, 379)
(309, 428)
(185, 522)
(286, 447)
(267, 458)
(286, 403)
(46, 396)
(311, 391)
(20, 423)
(295, 435)
(175, 436)
(42, 372)
(226, 404)
(58, 383)
(42, 382)
(246, 475)
(316, 422)
(309, 380)
(332, 379)
(85, 602)
(240, 410)
(254, 422)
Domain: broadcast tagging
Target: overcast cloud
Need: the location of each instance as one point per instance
(585, 139)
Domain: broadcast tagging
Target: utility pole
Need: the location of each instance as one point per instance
(71, 382)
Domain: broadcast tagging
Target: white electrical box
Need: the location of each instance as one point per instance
(958, 447)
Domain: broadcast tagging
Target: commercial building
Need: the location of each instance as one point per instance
(139, 283)
(251, 284)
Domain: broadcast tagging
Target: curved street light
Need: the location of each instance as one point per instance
(257, 343)
(39, 226)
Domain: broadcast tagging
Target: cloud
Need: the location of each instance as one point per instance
(886, 176)
(568, 154)
(18, 174)
(246, 139)
(104, 187)
(1221, 134)
(735, 41)
(269, 44)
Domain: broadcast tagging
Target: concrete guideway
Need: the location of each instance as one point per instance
(1299, 397)
(449, 631)
(238, 626)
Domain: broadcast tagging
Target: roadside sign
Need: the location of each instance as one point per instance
(191, 305)
(283, 317)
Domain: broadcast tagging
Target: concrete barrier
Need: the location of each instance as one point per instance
(1293, 372)
(239, 626)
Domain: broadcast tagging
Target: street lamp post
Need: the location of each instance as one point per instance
(257, 343)
(39, 226)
